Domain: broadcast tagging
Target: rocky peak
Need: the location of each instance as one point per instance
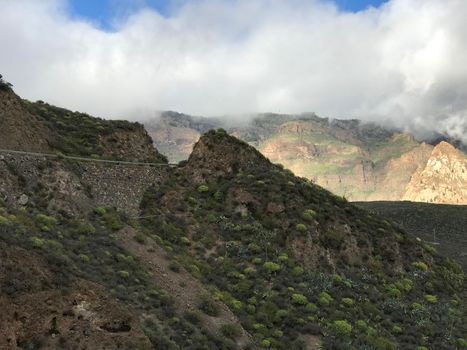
(218, 154)
(445, 149)
(444, 178)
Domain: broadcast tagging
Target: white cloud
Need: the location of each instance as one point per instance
(403, 62)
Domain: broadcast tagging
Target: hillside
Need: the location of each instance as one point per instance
(442, 224)
(360, 161)
(224, 251)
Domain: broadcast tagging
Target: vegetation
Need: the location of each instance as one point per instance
(256, 266)
(441, 227)
(79, 134)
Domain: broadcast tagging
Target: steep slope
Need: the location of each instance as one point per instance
(297, 264)
(74, 133)
(19, 130)
(68, 279)
(440, 224)
(443, 180)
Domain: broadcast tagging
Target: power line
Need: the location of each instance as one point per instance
(84, 159)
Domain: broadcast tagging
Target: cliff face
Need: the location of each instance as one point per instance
(442, 180)
(19, 129)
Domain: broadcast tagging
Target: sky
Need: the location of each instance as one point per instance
(399, 62)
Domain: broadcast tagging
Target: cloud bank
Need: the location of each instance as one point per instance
(403, 63)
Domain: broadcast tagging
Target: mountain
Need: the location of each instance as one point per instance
(223, 251)
(443, 180)
(361, 161)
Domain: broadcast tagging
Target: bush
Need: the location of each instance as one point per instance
(140, 238)
(45, 222)
(37, 242)
(231, 330)
(347, 302)
(309, 214)
(299, 299)
(84, 258)
(300, 228)
(123, 274)
(324, 299)
(341, 328)
(209, 306)
(381, 343)
(420, 265)
(203, 189)
(432, 299)
(4, 221)
(271, 267)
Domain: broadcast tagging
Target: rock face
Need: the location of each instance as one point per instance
(363, 162)
(217, 155)
(442, 180)
(134, 145)
(20, 130)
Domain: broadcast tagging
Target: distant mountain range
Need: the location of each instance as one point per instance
(361, 161)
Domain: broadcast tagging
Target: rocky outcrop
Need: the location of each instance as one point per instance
(20, 130)
(217, 154)
(41, 310)
(131, 145)
(442, 180)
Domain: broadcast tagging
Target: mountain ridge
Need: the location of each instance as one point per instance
(362, 161)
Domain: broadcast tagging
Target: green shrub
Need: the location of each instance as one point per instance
(123, 274)
(420, 265)
(82, 227)
(309, 214)
(347, 302)
(298, 271)
(100, 211)
(209, 306)
(271, 266)
(4, 221)
(432, 299)
(310, 307)
(140, 238)
(361, 325)
(45, 222)
(324, 299)
(422, 348)
(341, 328)
(396, 330)
(84, 258)
(37, 242)
(203, 189)
(381, 343)
(299, 299)
(266, 343)
(231, 330)
(301, 228)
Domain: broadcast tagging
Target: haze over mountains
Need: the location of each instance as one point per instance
(361, 161)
